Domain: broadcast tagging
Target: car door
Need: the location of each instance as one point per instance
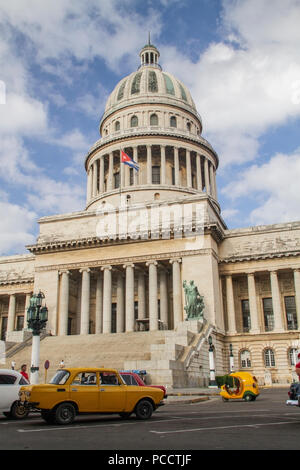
(8, 391)
(84, 390)
(112, 395)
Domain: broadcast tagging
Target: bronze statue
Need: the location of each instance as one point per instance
(194, 303)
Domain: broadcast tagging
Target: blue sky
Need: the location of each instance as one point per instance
(60, 59)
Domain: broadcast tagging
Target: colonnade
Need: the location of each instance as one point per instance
(11, 317)
(125, 295)
(200, 171)
(277, 302)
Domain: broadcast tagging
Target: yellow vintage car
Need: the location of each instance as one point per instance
(89, 390)
(245, 387)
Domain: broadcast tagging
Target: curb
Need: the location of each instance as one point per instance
(188, 400)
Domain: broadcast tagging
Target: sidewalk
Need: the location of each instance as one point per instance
(191, 395)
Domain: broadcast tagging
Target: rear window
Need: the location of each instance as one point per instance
(129, 379)
(7, 379)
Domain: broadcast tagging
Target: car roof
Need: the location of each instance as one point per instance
(15, 373)
(88, 369)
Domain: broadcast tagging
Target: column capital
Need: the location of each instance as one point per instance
(128, 265)
(148, 263)
(63, 271)
(297, 269)
(174, 260)
(82, 270)
(109, 267)
(251, 273)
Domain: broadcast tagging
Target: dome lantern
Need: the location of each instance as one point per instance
(149, 55)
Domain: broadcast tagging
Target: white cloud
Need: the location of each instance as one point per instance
(273, 187)
(17, 225)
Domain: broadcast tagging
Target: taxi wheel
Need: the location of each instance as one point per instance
(225, 399)
(144, 409)
(18, 411)
(65, 413)
(248, 398)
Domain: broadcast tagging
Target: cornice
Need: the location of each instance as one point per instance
(259, 256)
(5, 282)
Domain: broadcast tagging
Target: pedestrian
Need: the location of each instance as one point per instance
(23, 372)
(13, 365)
(62, 364)
(297, 367)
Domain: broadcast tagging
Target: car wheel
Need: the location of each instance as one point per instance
(125, 415)
(18, 411)
(144, 409)
(248, 397)
(65, 413)
(224, 399)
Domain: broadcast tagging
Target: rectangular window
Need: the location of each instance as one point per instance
(291, 314)
(20, 322)
(268, 314)
(246, 316)
(173, 175)
(156, 174)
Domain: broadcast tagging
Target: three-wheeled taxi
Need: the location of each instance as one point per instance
(244, 387)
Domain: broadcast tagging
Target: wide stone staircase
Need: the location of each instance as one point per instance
(173, 358)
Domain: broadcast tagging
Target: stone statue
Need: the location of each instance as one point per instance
(194, 303)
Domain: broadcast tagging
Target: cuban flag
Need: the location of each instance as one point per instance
(129, 161)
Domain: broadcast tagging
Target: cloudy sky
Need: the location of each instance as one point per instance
(60, 59)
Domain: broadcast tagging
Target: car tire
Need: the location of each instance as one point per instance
(225, 399)
(124, 415)
(144, 409)
(18, 411)
(248, 397)
(65, 413)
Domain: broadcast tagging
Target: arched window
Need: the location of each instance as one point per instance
(269, 358)
(153, 120)
(134, 121)
(293, 356)
(173, 122)
(189, 126)
(117, 126)
(245, 359)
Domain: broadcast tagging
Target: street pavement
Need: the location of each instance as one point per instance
(191, 395)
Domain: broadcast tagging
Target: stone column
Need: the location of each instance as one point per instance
(253, 304)
(188, 169)
(135, 173)
(85, 301)
(120, 304)
(276, 302)
(95, 179)
(176, 166)
(230, 306)
(163, 291)
(107, 292)
(122, 173)
(110, 172)
(199, 173)
(141, 295)
(101, 175)
(78, 305)
(127, 175)
(297, 293)
(211, 172)
(149, 164)
(99, 304)
(129, 297)
(89, 184)
(206, 174)
(177, 291)
(27, 303)
(153, 297)
(11, 313)
(163, 164)
(64, 304)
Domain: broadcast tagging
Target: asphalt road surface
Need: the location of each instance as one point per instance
(268, 423)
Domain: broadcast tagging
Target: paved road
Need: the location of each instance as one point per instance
(266, 423)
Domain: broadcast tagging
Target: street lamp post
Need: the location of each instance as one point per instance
(231, 358)
(37, 317)
(212, 372)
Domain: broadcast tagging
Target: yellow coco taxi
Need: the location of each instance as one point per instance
(89, 390)
(244, 387)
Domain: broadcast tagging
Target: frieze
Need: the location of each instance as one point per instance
(125, 260)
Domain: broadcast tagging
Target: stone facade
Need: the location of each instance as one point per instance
(119, 265)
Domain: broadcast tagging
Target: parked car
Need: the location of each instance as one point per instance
(89, 390)
(133, 378)
(294, 394)
(10, 384)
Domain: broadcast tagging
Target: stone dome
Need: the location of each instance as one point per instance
(149, 84)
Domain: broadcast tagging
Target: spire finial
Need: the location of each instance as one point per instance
(149, 39)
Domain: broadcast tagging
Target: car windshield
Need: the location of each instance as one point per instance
(60, 377)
